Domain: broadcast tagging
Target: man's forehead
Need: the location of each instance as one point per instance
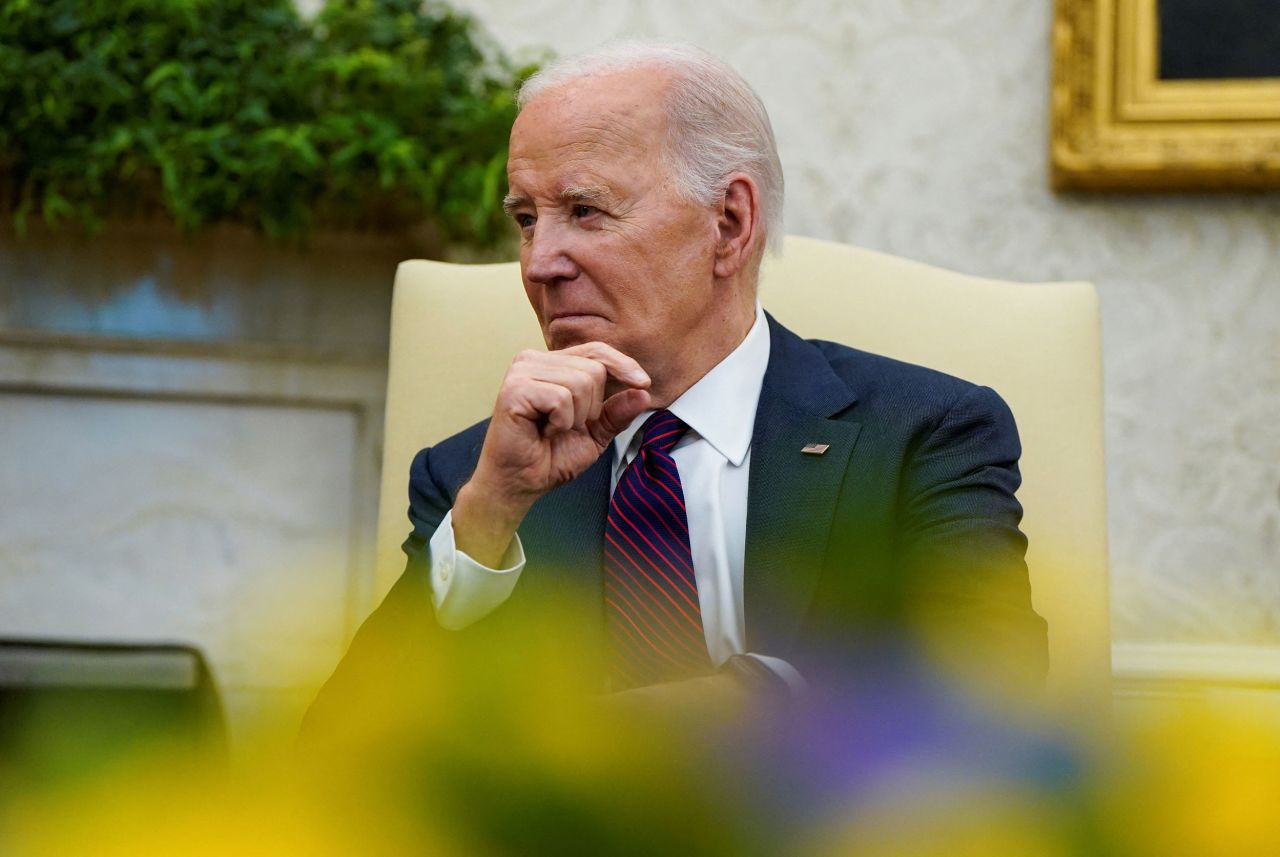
(585, 164)
(611, 111)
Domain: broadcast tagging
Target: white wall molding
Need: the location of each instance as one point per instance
(1214, 664)
(207, 557)
(54, 363)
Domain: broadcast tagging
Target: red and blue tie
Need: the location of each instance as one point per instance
(651, 594)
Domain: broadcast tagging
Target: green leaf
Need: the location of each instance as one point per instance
(165, 72)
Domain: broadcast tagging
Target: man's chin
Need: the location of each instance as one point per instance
(568, 331)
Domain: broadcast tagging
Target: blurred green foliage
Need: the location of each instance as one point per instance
(374, 114)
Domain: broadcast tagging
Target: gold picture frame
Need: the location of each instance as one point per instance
(1118, 126)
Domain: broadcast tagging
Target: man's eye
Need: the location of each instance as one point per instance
(524, 221)
(584, 210)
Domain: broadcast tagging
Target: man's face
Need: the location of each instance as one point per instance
(609, 250)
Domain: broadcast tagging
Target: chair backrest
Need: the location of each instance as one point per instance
(455, 328)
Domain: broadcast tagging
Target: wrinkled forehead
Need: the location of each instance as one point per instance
(619, 113)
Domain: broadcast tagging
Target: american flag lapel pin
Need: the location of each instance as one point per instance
(815, 448)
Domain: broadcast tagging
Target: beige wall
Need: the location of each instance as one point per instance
(919, 127)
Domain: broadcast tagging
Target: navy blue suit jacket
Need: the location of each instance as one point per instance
(908, 520)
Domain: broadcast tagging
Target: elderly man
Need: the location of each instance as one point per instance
(722, 494)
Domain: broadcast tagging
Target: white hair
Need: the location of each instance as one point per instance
(717, 125)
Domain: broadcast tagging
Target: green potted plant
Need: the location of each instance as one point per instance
(374, 114)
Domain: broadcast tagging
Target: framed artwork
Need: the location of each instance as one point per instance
(1166, 95)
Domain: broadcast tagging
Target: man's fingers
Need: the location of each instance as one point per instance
(567, 388)
(537, 399)
(620, 366)
(585, 384)
(616, 414)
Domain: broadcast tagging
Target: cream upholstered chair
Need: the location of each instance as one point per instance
(455, 328)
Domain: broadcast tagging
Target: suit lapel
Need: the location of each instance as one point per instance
(792, 496)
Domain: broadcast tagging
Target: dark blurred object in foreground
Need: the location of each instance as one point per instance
(71, 708)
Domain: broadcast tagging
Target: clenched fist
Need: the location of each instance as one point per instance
(556, 413)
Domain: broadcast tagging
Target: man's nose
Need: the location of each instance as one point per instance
(547, 256)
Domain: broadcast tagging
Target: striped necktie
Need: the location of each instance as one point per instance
(651, 594)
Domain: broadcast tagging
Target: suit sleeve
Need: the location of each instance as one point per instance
(429, 502)
(441, 590)
(400, 636)
(961, 548)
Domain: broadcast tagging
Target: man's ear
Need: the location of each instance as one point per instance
(738, 225)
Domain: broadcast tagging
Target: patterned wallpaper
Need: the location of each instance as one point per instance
(919, 127)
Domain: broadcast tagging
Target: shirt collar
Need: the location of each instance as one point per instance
(721, 407)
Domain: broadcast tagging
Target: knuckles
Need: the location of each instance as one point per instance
(562, 397)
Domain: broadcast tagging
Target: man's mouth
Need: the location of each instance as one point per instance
(570, 317)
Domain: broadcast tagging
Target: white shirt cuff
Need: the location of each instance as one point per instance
(462, 590)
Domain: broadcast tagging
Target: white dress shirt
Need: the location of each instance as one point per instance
(714, 460)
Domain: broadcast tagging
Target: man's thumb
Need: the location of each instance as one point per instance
(617, 413)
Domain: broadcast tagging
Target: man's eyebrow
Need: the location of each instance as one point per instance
(597, 195)
(511, 202)
(586, 195)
